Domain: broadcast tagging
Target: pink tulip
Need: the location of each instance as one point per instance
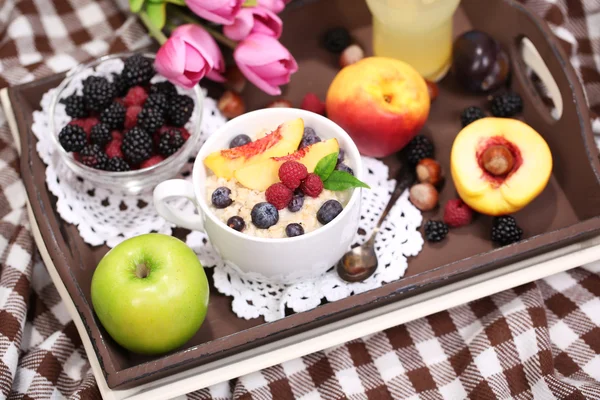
(265, 62)
(276, 6)
(219, 11)
(188, 55)
(253, 20)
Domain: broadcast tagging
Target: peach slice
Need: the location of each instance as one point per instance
(282, 141)
(499, 165)
(261, 175)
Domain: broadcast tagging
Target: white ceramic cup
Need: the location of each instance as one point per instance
(283, 260)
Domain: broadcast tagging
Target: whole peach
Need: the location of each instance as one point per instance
(381, 102)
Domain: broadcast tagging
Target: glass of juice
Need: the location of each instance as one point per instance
(418, 32)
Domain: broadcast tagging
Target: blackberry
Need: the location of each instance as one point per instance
(343, 167)
(75, 107)
(137, 145)
(471, 114)
(308, 137)
(236, 223)
(239, 140)
(93, 156)
(158, 101)
(138, 70)
(296, 203)
(98, 93)
(180, 110)
(505, 230)
(220, 197)
(120, 84)
(336, 40)
(169, 142)
(294, 230)
(264, 215)
(114, 116)
(72, 138)
(150, 119)
(506, 105)
(117, 164)
(328, 211)
(419, 148)
(165, 87)
(100, 134)
(435, 231)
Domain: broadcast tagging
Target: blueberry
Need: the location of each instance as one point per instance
(239, 140)
(236, 223)
(341, 156)
(264, 215)
(294, 230)
(343, 167)
(328, 211)
(309, 137)
(296, 203)
(220, 197)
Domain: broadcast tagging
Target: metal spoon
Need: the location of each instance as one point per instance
(361, 262)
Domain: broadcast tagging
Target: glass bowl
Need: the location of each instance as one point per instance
(135, 181)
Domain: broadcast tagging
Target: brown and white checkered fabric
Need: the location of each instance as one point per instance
(538, 341)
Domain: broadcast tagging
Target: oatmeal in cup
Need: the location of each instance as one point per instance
(277, 192)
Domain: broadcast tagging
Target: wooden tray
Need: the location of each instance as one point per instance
(567, 212)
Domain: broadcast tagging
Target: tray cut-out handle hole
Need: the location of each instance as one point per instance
(541, 82)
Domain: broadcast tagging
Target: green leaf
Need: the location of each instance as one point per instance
(250, 3)
(157, 13)
(136, 5)
(326, 165)
(341, 180)
(176, 2)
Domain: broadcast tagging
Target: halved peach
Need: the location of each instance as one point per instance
(282, 141)
(263, 174)
(499, 165)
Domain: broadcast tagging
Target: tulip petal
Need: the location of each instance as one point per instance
(258, 81)
(170, 58)
(203, 42)
(242, 25)
(219, 11)
(259, 49)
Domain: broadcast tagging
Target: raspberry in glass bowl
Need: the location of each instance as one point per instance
(122, 126)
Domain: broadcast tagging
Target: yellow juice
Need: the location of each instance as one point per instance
(418, 32)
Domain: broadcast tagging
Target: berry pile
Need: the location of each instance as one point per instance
(296, 183)
(128, 123)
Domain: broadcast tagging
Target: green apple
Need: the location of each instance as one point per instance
(150, 293)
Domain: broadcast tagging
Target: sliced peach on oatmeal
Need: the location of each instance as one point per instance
(282, 141)
(261, 175)
(499, 165)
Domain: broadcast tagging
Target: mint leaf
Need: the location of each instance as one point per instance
(341, 180)
(326, 165)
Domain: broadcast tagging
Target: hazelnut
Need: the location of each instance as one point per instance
(424, 196)
(497, 160)
(429, 171)
(234, 79)
(351, 55)
(231, 105)
(433, 90)
(280, 103)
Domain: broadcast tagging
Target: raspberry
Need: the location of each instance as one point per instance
(184, 133)
(131, 116)
(136, 96)
(279, 195)
(113, 149)
(151, 161)
(312, 103)
(312, 186)
(89, 123)
(291, 173)
(116, 135)
(457, 213)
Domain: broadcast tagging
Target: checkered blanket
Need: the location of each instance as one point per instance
(540, 340)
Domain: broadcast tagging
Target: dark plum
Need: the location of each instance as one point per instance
(479, 63)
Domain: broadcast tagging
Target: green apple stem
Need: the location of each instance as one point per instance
(142, 270)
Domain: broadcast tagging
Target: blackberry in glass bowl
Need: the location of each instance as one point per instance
(108, 106)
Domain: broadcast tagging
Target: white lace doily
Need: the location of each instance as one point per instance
(101, 215)
(397, 239)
